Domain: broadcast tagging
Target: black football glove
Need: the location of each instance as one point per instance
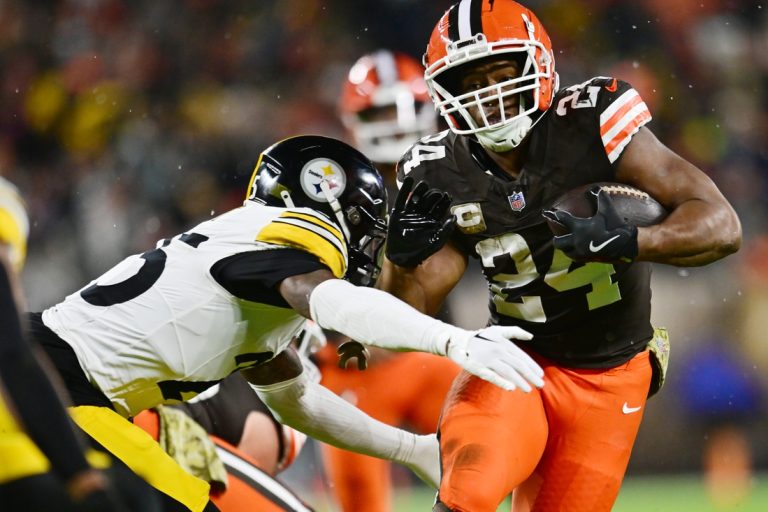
(603, 237)
(419, 224)
(353, 350)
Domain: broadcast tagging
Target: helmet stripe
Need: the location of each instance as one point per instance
(465, 24)
(386, 68)
(465, 20)
(476, 17)
(453, 23)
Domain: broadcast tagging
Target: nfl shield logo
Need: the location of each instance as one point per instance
(517, 201)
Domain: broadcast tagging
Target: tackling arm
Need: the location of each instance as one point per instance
(702, 227)
(307, 406)
(360, 314)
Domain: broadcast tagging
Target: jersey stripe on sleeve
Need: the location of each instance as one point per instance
(311, 232)
(620, 121)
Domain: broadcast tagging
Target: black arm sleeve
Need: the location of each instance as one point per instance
(255, 275)
(32, 393)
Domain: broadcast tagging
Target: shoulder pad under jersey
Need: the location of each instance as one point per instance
(311, 231)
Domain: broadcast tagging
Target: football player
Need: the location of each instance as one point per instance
(42, 461)
(516, 143)
(230, 294)
(385, 108)
(228, 429)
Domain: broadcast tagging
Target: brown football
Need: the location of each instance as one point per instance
(637, 207)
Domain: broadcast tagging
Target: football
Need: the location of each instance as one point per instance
(637, 207)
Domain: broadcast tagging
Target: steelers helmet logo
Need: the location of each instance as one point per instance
(318, 170)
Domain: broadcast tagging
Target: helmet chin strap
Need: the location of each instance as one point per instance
(506, 137)
(336, 207)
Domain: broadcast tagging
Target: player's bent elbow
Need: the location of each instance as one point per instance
(730, 246)
(732, 236)
(725, 235)
(725, 246)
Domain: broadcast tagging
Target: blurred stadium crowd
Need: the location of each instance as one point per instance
(124, 122)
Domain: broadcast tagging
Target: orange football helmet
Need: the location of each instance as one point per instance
(385, 105)
(477, 29)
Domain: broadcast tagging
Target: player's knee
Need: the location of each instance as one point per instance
(467, 502)
(472, 501)
(469, 484)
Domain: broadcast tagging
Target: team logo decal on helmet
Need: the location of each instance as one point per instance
(319, 173)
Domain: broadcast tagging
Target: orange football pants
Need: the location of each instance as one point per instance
(564, 447)
(407, 389)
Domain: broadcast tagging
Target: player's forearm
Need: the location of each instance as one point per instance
(426, 286)
(402, 283)
(319, 413)
(374, 317)
(696, 233)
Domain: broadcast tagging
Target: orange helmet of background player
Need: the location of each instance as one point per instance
(478, 29)
(385, 105)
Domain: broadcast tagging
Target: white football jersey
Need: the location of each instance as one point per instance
(158, 328)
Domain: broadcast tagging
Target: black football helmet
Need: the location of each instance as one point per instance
(335, 179)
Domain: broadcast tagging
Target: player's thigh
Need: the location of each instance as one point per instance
(371, 390)
(594, 417)
(490, 441)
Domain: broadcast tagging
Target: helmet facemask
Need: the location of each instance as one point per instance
(499, 128)
(365, 247)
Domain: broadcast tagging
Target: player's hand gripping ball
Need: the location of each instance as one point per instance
(599, 221)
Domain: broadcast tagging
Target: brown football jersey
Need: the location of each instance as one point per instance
(585, 315)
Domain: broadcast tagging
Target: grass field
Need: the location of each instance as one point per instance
(639, 494)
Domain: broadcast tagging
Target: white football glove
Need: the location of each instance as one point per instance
(490, 355)
(424, 459)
